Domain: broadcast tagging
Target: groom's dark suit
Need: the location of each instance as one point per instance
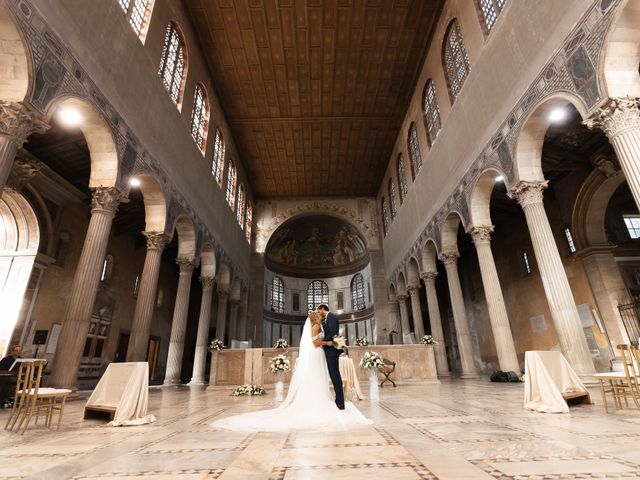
(333, 360)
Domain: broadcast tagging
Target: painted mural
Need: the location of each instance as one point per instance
(317, 241)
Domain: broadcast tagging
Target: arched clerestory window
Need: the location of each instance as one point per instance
(402, 178)
(488, 13)
(392, 199)
(200, 117)
(454, 59)
(217, 165)
(357, 292)
(173, 63)
(414, 151)
(385, 216)
(431, 112)
(240, 206)
(247, 222)
(317, 294)
(277, 295)
(232, 178)
(139, 13)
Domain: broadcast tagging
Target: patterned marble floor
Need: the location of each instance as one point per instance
(461, 429)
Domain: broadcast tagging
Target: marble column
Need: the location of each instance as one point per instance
(179, 322)
(242, 316)
(202, 339)
(234, 305)
(80, 300)
(505, 348)
(17, 122)
(404, 316)
(450, 260)
(435, 321)
(619, 118)
(221, 319)
(143, 313)
(554, 278)
(414, 293)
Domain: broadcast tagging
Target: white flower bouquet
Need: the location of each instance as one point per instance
(248, 390)
(428, 340)
(371, 360)
(339, 342)
(279, 364)
(216, 345)
(362, 342)
(281, 343)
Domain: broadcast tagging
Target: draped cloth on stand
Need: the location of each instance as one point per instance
(548, 380)
(124, 388)
(350, 376)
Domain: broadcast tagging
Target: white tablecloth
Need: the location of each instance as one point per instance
(125, 387)
(547, 376)
(349, 375)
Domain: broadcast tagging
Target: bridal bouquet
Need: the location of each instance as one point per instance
(371, 360)
(216, 345)
(279, 364)
(281, 343)
(249, 390)
(362, 342)
(428, 340)
(339, 342)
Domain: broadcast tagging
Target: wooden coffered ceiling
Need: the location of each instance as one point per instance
(314, 90)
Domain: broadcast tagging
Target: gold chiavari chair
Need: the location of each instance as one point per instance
(621, 385)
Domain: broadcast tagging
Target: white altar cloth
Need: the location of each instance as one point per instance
(124, 388)
(350, 376)
(547, 377)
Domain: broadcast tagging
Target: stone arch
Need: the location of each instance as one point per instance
(480, 198)
(187, 238)
(155, 204)
(15, 61)
(392, 292)
(528, 157)
(429, 256)
(449, 232)
(402, 284)
(236, 290)
(207, 261)
(368, 233)
(587, 221)
(102, 146)
(413, 272)
(224, 277)
(620, 57)
(19, 241)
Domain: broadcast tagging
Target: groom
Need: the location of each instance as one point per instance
(330, 330)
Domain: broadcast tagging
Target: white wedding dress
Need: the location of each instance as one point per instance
(308, 404)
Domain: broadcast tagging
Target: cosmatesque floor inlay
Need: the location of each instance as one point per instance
(458, 430)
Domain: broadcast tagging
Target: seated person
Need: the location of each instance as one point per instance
(8, 382)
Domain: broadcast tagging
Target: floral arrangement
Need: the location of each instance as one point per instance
(371, 360)
(362, 342)
(216, 345)
(281, 343)
(339, 342)
(279, 364)
(428, 340)
(248, 390)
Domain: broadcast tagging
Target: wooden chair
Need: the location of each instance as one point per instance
(388, 369)
(621, 385)
(32, 400)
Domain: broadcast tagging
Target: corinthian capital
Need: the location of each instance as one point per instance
(22, 171)
(156, 240)
(18, 121)
(186, 265)
(207, 282)
(106, 199)
(449, 258)
(528, 193)
(482, 234)
(401, 297)
(413, 290)
(428, 276)
(616, 116)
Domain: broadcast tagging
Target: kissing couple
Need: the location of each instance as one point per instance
(308, 403)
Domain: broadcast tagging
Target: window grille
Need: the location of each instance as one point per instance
(200, 118)
(172, 63)
(357, 292)
(414, 151)
(455, 59)
(231, 184)
(317, 294)
(217, 165)
(431, 112)
(392, 200)
(402, 179)
(277, 295)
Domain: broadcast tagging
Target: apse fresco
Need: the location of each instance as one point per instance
(317, 241)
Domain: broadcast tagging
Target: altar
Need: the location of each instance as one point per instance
(232, 367)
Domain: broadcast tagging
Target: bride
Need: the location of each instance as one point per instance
(308, 403)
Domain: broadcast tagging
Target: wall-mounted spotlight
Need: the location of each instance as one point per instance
(69, 116)
(499, 178)
(134, 182)
(558, 115)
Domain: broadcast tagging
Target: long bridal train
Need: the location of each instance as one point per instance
(308, 404)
